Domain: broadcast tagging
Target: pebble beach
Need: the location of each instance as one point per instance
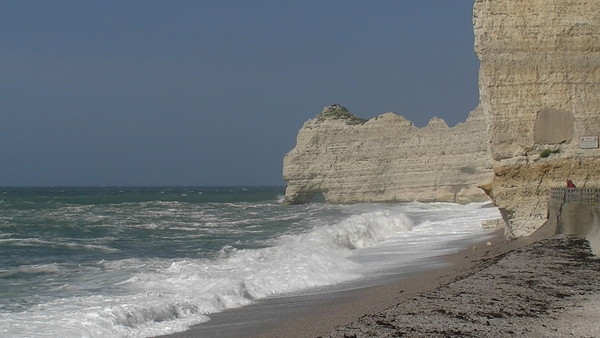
(546, 287)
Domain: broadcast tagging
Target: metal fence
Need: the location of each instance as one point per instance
(560, 196)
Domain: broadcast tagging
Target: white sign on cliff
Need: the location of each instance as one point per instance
(588, 142)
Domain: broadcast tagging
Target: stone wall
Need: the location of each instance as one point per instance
(386, 159)
(540, 92)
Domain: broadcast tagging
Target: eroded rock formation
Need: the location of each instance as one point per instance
(386, 158)
(539, 88)
(540, 92)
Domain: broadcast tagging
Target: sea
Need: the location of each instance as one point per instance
(147, 261)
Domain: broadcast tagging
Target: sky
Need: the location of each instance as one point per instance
(196, 93)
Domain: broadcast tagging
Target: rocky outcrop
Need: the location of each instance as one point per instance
(539, 100)
(540, 93)
(386, 158)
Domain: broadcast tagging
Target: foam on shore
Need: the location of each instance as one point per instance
(519, 288)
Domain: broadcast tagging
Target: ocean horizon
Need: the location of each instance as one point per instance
(146, 261)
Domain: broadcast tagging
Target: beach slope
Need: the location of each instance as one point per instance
(548, 288)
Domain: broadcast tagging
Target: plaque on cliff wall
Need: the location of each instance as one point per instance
(553, 126)
(588, 142)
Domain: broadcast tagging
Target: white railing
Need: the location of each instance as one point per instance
(560, 196)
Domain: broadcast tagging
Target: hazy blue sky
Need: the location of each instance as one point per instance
(213, 92)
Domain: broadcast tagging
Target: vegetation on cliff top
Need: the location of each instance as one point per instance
(337, 112)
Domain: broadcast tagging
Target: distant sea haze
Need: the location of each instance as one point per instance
(141, 262)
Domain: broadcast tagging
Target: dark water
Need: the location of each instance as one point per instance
(145, 261)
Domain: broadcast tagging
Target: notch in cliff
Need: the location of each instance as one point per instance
(337, 112)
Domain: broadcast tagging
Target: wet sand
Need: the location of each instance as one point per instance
(539, 290)
(532, 287)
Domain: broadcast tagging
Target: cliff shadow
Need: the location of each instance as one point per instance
(317, 197)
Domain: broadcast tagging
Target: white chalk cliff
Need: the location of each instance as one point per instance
(539, 85)
(385, 159)
(537, 124)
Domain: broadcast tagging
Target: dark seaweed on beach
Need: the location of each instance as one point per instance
(514, 294)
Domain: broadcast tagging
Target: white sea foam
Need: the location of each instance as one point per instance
(33, 269)
(40, 268)
(438, 230)
(148, 297)
(61, 242)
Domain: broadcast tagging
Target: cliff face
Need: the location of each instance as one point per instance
(540, 93)
(387, 158)
(537, 124)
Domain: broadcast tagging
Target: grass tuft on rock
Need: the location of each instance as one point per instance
(337, 112)
(547, 152)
